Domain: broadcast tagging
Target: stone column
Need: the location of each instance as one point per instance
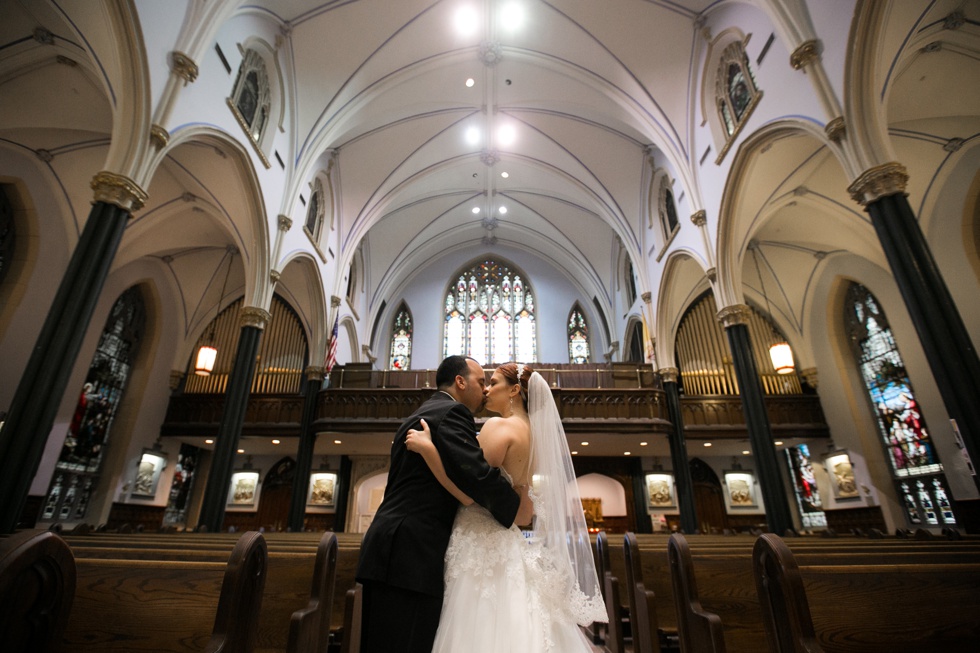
(678, 452)
(253, 321)
(32, 410)
(949, 350)
(735, 321)
(304, 456)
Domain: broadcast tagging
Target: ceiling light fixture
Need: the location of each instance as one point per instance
(208, 353)
(505, 174)
(502, 210)
(512, 15)
(466, 20)
(473, 135)
(475, 210)
(779, 351)
(470, 82)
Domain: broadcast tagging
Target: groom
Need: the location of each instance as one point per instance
(401, 563)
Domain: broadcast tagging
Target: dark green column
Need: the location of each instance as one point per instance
(35, 403)
(678, 453)
(343, 495)
(304, 456)
(778, 516)
(948, 348)
(643, 523)
(232, 419)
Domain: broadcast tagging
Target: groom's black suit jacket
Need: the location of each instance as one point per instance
(405, 545)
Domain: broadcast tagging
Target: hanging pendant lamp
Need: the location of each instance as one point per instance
(780, 352)
(208, 353)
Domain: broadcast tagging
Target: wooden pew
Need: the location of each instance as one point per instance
(309, 628)
(697, 629)
(353, 613)
(236, 621)
(37, 587)
(648, 635)
(614, 640)
(872, 606)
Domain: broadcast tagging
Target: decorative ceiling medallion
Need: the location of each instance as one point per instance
(489, 157)
(490, 53)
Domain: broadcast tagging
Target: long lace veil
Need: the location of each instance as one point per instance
(559, 532)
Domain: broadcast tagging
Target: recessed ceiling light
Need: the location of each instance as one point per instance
(502, 210)
(209, 441)
(473, 135)
(626, 453)
(466, 20)
(277, 442)
(241, 451)
(574, 453)
(585, 444)
(337, 442)
(746, 453)
(643, 444)
(506, 135)
(512, 15)
(475, 210)
(505, 174)
(778, 443)
(707, 444)
(470, 82)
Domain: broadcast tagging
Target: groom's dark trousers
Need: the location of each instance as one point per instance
(401, 563)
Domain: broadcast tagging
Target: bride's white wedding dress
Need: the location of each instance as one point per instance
(507, 593)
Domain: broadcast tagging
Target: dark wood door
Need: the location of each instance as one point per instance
(710, 505)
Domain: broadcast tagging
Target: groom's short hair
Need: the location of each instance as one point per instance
(450, 368)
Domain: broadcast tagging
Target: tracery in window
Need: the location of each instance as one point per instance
(668, 209)
(913, 459)
(314, 212)
(489, 314)
(401, 340)
(251, 97)
(79, 463)
(578, 336)
(735, 90)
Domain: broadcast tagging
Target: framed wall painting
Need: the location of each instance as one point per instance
(841, 472)
(244, 491)
(322, 492)
(660, 490)
(741, 489)
(151, 463)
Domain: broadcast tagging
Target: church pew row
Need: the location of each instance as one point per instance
(883, 605)
(37, 586)
(185, 582)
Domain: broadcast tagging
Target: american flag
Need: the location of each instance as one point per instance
(332, 347)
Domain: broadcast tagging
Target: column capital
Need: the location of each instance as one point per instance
(334, 301)
(879, 181)
(159, 136)
(183, 65)
(285, 222)
(647, 297)
(118, 190)
(175, 378)
(253, 316)
(275, 275)
(734, 314)
(669, 374)
(699, 218)
(836, 130)
(806, 54)
(810, 376)
(315, 372)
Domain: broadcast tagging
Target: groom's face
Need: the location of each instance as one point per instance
(474, 393)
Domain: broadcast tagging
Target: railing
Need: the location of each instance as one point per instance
(200, 414)
(800, 415)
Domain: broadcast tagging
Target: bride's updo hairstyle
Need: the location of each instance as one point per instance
(510, 372)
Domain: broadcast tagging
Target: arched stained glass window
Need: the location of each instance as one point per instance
(80, 461)
(915, 466)
(578, 336)
(251, 97)
(314, 212)
(668, 209)
(490, 315)
(401, 340)
(735, 89)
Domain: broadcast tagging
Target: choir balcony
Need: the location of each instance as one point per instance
(612, 398)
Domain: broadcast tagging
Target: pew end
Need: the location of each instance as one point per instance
(782, 597)
(309, 628)
(697, 629)
(353, 613)
(240, 602)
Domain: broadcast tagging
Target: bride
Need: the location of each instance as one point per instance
(505, 591)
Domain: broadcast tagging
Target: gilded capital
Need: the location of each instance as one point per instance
(734, 314)
(253, 316)
(285, 223)
(118, 190)
(805, 54)
(647, 297)
(184, 66)
(835, 129)
(334, 301)
(879, 181)
(669, 374)
(275, 275)
(700, 218)
(810, 376)
(159, 137)
(315, 373)
(175, 378)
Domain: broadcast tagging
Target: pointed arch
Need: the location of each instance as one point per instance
(400, 357)
(579, 349)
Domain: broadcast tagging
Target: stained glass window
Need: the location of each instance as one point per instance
(314, 212)
(735, 89)
(401, 340)
(578, 336)
(805, 487)
(489, 315)
(914, 463)
(77, 469)
(668, 209)
(251, 97)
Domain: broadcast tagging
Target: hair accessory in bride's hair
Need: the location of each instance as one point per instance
(520, 371)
